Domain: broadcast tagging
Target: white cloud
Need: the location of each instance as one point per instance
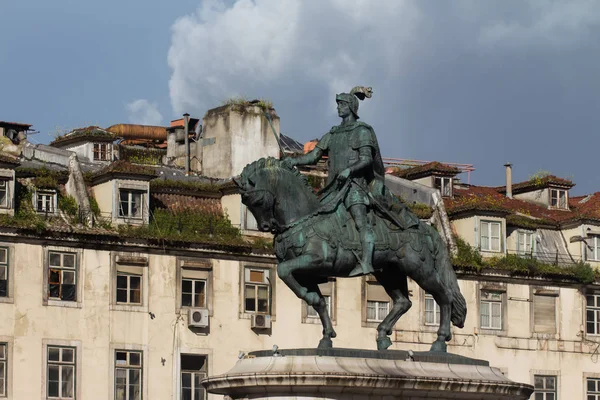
(219, 52)
(142, 112)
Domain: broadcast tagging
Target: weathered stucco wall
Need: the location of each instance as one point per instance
(97, 327)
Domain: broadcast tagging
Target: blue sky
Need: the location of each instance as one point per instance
(469, 81)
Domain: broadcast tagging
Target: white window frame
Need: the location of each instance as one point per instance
(592, 394)
(433, 309)
(62, 270)
(265, 284)
(129, 289)
(5, 188)
(555, 196)
(128, 367)
(381, 308)
(107, 151)
(193, 293)
(594, 311)
(4, 373)
(202, 373)
(526, 236)
(61, 364)
(127, 214)
(592, 250)
(543, 388)
(488, 233)
(49, 204)
(76, 346)
(248, 221)
(444, 185)
(487, 303)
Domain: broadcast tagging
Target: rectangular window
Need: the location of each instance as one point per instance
(432, 311)
(45, 202)
(249, 220)
(326, 290)
(490, 309)
(62, 276)
(257, 290)
(525, 243)
(312, 313)
(378, 302)
(592, 314)
(444, 185)
(130, 203)
(193, 370)
(593, 389)
(3, 272)
(558, 198)
(545, 387)
(544, 313)
(193, 292)
(128, 375)
(3, 193)
(593, 248)
(490, 236)
(3, 368)
(102, 151)
(129, 288)
(61, 372)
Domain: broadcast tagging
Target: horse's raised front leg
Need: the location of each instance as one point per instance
(396, 286)
(321, 308)
(286, 270)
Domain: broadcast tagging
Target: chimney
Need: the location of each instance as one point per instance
(508, 180)
(186, 122)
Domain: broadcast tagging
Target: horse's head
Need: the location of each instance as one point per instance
(274, 193)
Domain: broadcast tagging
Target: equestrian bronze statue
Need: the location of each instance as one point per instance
(355, 226)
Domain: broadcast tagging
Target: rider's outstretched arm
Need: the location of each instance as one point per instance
(309, 158)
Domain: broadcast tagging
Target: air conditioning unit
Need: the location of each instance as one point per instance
(261, 321)
(198, 317)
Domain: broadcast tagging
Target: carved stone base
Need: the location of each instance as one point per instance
(363, 374)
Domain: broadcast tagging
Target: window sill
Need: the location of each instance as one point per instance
(129, 308)
(7, 300)
(248, 315)
(62, 303)
(492, 332)
(315, 321)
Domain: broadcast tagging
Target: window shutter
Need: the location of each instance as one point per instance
(127, 269)
(544, 314)
(325, 288)
(376, 292)
(194, 273)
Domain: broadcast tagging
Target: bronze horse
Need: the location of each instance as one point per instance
(310, 247)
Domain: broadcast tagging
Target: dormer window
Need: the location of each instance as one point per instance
(558, 199)
(444, 184)
(45, 201)
(102, 151)
(130, 203)
(4, 203)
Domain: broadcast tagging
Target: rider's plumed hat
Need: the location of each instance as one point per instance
(358, 92)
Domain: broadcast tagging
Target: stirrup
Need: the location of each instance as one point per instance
(361, 269)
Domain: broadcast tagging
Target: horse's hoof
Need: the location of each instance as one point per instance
(439, 346)
(325, 343)
(383, 343)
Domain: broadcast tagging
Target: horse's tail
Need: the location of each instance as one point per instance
(448, 277)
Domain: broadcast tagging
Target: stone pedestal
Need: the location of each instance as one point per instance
(363, 374)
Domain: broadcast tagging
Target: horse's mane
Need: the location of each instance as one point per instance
(270, 163)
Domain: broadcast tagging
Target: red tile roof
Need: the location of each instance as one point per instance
(539, 183)
(432, 168)
(521, 212)
(180, 202)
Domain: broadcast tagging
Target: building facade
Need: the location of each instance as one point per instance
(170, 281)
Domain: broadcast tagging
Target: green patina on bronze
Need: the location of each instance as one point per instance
(355, 226)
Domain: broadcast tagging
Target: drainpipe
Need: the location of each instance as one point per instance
(508, 180)
(186, 121)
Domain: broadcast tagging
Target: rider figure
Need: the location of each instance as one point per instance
(353, 153)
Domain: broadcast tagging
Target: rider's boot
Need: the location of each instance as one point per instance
(367, 239)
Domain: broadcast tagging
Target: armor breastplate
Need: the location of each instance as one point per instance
(341, 154)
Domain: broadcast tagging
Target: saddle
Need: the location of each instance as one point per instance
(393, 224)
